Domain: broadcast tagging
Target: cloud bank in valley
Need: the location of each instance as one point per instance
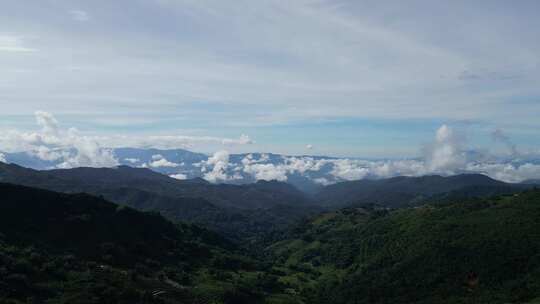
(69, 148)
(159, 161)
(447, 154)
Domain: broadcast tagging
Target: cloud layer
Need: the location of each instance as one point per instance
(447, 154)
(69, 148)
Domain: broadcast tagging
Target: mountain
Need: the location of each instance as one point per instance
(76, 248)
(407, 191)
(468, 251)
(240, 168)
(93, 180)
(140, 156)
(307, 173)
(171, 161)
(230, 209)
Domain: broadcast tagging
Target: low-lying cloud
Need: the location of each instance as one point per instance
(447, 154)
(179, 176)
(69, 148)
(158, 161)
(219, 164)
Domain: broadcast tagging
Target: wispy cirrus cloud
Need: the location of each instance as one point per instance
(267, 63)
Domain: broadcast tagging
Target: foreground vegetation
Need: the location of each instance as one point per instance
(61, 248)
(76, 248)
(471, 251)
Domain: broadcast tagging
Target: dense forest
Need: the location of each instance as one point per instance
(76, 248)
(79, 248)
(469, 251)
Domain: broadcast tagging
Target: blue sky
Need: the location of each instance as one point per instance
(351, 78)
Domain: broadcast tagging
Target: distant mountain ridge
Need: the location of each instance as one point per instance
(122, 182)
(230, 209)
(185, 164)
(405, 191)
(251, 196)
(308, 173)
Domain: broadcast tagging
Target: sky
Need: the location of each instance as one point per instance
(344, 78)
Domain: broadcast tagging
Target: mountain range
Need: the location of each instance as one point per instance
(403, 191)
(78, 248)
(310, 174)
(247, 211)
(184, 164)
(230, 209)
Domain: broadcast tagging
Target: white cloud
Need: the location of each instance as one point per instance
(303, 164)
(219, 163)
(348, 169)
(446, 154)
(49, 154)
(322, 181)
(79, 15)
(159, 161)
(52, 143)
(260, 170)
(309, 146)
(3, 158)
(68, 148)
(88, 153)
(179, 176)
(266, 171)
(47, 122)
(506, 171)
(132, 160)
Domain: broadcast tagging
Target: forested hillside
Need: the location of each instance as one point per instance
(236, 211)
(76, 248)
(406, 191)
(469, 251)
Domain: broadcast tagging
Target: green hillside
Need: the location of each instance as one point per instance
(76, 248)
(235, 211)
(472, 251)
